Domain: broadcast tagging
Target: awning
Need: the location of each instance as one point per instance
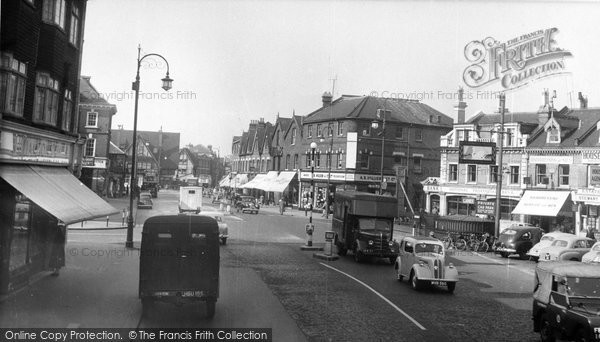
(541, 203)
(57, 191)
(281, 182)
(255, 182)
(224, 182)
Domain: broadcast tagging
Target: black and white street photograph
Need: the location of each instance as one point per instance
(336, 170)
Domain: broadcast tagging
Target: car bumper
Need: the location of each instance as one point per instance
(505, 250)
(381, 254)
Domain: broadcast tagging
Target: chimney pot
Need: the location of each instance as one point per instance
(326, 97)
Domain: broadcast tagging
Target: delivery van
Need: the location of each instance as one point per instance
(190, 199)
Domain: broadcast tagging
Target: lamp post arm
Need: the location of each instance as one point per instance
(148, 55)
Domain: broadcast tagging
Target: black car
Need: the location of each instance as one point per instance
(247, 204)
(517, 239)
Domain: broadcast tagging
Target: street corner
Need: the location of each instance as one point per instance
(325, 256)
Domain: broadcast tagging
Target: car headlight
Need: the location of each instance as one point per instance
(450, 265)
(421, 263)
(370, 242)
(391, 243)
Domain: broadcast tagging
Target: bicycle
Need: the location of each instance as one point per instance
(457, 244)
(479, 243)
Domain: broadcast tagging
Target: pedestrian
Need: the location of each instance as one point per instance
(57, 254)
(281, 206)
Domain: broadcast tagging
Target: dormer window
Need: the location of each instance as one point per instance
(553, 135)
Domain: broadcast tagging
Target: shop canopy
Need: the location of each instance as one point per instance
(541, 203)
(57, 191)
(266, 182)
(224, 182)
(281, 182)
(237, 181)
(255, 182)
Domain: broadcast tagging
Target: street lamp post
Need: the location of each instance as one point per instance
(499, 171)
(330, 162)
(310, 227)
(375, 125)
(167, 83)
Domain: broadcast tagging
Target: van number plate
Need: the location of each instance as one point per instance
(440, 283)
(191, 294)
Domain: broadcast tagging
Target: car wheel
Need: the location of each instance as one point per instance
(451, 287)
(210, 307)
(546, 331)
(223, 241)
(415, 283)
(581, 335)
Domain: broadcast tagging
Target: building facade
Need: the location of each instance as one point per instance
(95, 121)
(40, 146)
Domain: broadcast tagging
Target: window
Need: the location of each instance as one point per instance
(340, 159)
(563, 175)
(553, 135)
(13, 75)
(540, 174)
(471, 173)
(308, 156)
(54, 12)
(287, 162)
(400, 159)
(90, 147)
(418, 134)
(514, 175)
(319, 133)
(330, 129)
(329, 159)
(318, 159)
(294, 136)
(363, 161)
(340, 128)
(74, 29)
(309, 132)
(417, 167)
(67, 111)
(295, 162)
(453, 173)
(463, 135)
(399, 132)
(92, 119)
(510, 137)
(493, 174)
(46, 99)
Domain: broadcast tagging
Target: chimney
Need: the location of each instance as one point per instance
(326, 99)
(460, 106)
(583, 101)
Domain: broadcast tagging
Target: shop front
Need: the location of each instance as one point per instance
(550, 210)
(37, 205)
(587, 203)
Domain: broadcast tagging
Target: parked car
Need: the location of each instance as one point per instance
(145, 201)
(423, 261)
(223, 229)
(247, 204)
(593, 255)
(517, 239)
(566, 248)
(566, 301)
(545, 241)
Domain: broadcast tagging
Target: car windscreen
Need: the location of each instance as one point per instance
(509, 232)
(374, 225)
(547, 238)
(583, 287)
(428, 248)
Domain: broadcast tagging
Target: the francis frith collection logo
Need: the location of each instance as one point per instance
(516, 62)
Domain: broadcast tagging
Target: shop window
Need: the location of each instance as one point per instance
(13, 76)
(506, 208)
(541, 176)
(471, 173)
(19, 246)
(563, 175)
(514, 174)
(46, 99)
(493, 174)
(459, 206)
(453, 173)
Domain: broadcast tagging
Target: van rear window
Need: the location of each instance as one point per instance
(164, 235)
(191, 191)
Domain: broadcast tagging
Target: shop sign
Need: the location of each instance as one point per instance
(588, 199)
(468, 200)
(87, 162)
(551, 159)
(35, 149)
(590, 157)
(431, 188)
(516, 62)
(595, 175)
(486, 207)
(479, 191)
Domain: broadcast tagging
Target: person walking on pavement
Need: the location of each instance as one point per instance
(57, 255)
(281, 206)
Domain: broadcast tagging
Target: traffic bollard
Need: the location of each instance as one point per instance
(310, 228)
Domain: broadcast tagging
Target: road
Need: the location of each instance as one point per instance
(267, 281)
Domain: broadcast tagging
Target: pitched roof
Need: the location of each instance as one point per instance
(114, 149)
(170, 144)
(365, 107)
(89, 95)
(578, 129)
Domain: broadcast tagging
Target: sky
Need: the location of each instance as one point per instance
(237, 61)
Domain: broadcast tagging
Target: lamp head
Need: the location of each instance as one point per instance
(375, 124)
(167, 82)
(313, 145)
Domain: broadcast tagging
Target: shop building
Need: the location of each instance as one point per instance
(41, 149)
(95, 121)
(353, 153)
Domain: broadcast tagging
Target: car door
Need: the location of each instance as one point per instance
(407, 257)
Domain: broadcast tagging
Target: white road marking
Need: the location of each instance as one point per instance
(378, 294)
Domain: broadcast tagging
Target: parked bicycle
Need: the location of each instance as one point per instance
(479, 243)
(457, 243)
